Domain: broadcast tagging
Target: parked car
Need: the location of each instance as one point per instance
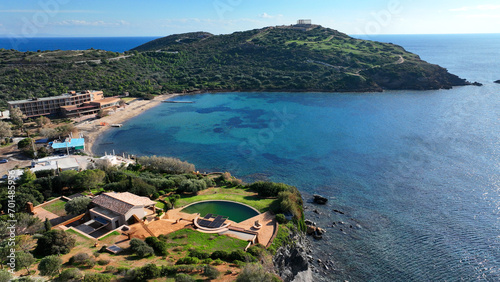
(4, 161)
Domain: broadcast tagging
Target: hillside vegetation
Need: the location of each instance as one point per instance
(268, 59)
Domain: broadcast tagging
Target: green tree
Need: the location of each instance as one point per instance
(42, 121)
(77, 205)
(16, 115)
(54, 242)
(210, 272)
(140, 248)
(48, 132)
(5, 276)
(89, 179)
(50, 265)
(24, 260)
(25, 143)
(47, 225)
(27, 177)
(5, 130)
(70, 274)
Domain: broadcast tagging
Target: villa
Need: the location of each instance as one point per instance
(115, 209)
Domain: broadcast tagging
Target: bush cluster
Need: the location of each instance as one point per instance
(140, 248)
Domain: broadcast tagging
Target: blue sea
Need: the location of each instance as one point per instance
(115, 44)
(413, 177)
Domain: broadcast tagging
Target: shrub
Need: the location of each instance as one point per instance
(181, 277)
(149, 271)
(103, 262)
(70, 274)
(207, 261)
(198, 254)
(223, 255)
(54, 242)
(256, 250)
(110, 268)
(161, 192)
(144, 251)
(280, 218)
(160, 247)
(218, 262)
(151, 240)
(77, 205)
(140, 248)
(122, 270)
(241, 256)
(255, 272)
(165, 165)
(97, 277)
(79, 258)
(229, 272)
(5, 275)
(188, 260)
(155, 196)
(239, 263)
(50, 265)
(269, 189)
(210, 272)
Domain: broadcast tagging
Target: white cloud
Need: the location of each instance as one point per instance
(268, 16)
(476, 8)
(482, 16)
(91, 23)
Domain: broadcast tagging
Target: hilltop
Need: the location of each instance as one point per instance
(284, 58)
(300, 59)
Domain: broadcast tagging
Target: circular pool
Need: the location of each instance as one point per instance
(234, 211)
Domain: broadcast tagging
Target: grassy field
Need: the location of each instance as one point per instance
(56, 207)
(189, 238)
(230, 194)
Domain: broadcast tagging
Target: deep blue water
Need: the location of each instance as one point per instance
(416, 173)
(115, 44)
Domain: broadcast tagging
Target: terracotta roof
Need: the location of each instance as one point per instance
(121, 202)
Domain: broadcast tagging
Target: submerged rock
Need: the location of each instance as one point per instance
(477, 83)
(497, 81)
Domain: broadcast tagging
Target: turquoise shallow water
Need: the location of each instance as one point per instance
(416, 174)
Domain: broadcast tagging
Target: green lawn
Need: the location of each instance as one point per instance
(114, 233)
(80, 236)
(230, 194)
(56, 207)
(188, 238)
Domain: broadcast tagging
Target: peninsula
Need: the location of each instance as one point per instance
(298, 58)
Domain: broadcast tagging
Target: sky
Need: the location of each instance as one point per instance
(41, 18)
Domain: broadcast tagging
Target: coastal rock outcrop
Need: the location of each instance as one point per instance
(291, 261)
(318, 199)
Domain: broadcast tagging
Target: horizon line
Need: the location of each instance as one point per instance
(159, 36)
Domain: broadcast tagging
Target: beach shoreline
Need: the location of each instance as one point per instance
(91, 129)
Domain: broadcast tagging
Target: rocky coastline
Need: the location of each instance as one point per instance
(292, 261)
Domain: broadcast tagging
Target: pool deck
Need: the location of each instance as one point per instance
(174, 220)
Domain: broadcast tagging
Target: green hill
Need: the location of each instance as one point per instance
(300, 59)
(286, 58)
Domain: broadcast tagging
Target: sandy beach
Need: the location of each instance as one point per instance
(91, 129)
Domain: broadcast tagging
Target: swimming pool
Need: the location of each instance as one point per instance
(235, 211)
